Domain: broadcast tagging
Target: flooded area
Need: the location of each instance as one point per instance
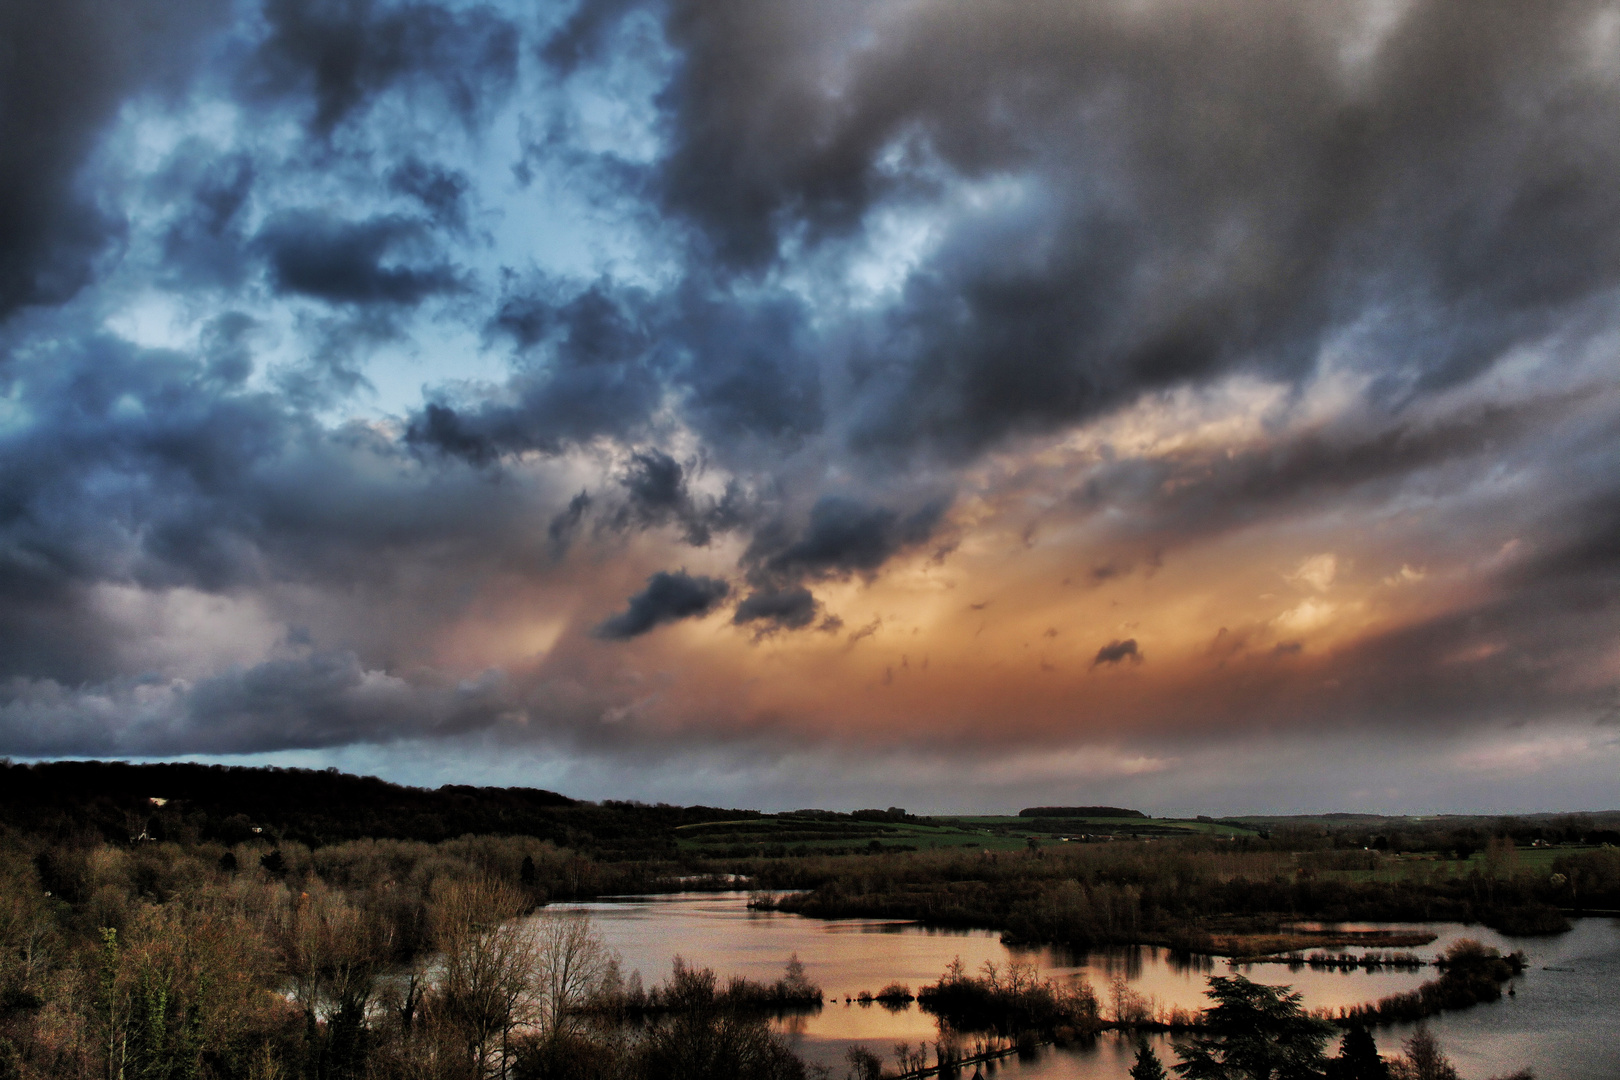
(847, 956)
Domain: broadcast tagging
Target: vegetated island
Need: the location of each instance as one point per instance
(191, 920)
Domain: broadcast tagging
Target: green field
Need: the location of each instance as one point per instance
(794, 834)
(1421, 866)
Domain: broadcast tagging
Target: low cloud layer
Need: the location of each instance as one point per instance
(768, 382)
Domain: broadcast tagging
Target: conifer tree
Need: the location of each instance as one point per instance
(1148, 1066)
(1358, 1058)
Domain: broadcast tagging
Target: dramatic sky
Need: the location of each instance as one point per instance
(953, 404)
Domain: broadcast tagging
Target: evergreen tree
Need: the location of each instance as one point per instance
(1255, 1031)
(1358, 1058)
(1148, 1066)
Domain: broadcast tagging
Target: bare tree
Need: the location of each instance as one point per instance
(333, 951)
(573, 964)
(490, 960)
(1423, 1060)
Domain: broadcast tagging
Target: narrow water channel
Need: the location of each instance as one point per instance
(1577, 1002)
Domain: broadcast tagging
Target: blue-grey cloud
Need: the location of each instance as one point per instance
(667, 598)
(383, 260)
(842, 536)
(340, 54)
(70, 67)
(441, 191)
(786, 609)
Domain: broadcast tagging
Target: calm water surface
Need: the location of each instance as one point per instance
(1560, 1022)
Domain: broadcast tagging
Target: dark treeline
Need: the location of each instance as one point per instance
(114, 801)
(1451, 835)
(1197, 896)
(1079, 812)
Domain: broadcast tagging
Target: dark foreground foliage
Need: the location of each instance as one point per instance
(1254, 1030)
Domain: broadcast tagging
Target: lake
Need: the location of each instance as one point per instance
(1559, 1022)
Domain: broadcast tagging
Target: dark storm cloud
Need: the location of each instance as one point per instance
(204, 244)
(601, 360)
(343, 53)
(130, 472)
(382, 260)
(565, 526)
(667, 598)
(587, 368)
(585, 32)
(320, 699)
(1171, 212)
(657, 494)
(1116, 651)
(554, 408)
(1586, 547)
(747, 365)
(135, 422)
(441, 191)
(326, 699)
(787, 609)
(1186, 497)
(154, 470)
(843, 536)
(656, 485)
(68, 67)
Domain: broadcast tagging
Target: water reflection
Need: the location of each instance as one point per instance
(849, 956)
(1558, 1021)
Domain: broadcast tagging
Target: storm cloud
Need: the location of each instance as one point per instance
(70, 67)
(365, 262)
(667, 598)
(342, 54)
(787, 609)
(1116, 651)
(366, 365)
(842, 536)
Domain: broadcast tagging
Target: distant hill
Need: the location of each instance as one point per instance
(1080, 811)
(115, 800)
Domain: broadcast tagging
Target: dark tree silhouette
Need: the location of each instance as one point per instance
(1358, 1058)
(1148, 1066)
(1254, 1031)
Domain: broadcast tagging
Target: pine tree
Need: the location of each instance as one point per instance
(1358, 1058)
(1148, 1066)
(1254, 1032)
